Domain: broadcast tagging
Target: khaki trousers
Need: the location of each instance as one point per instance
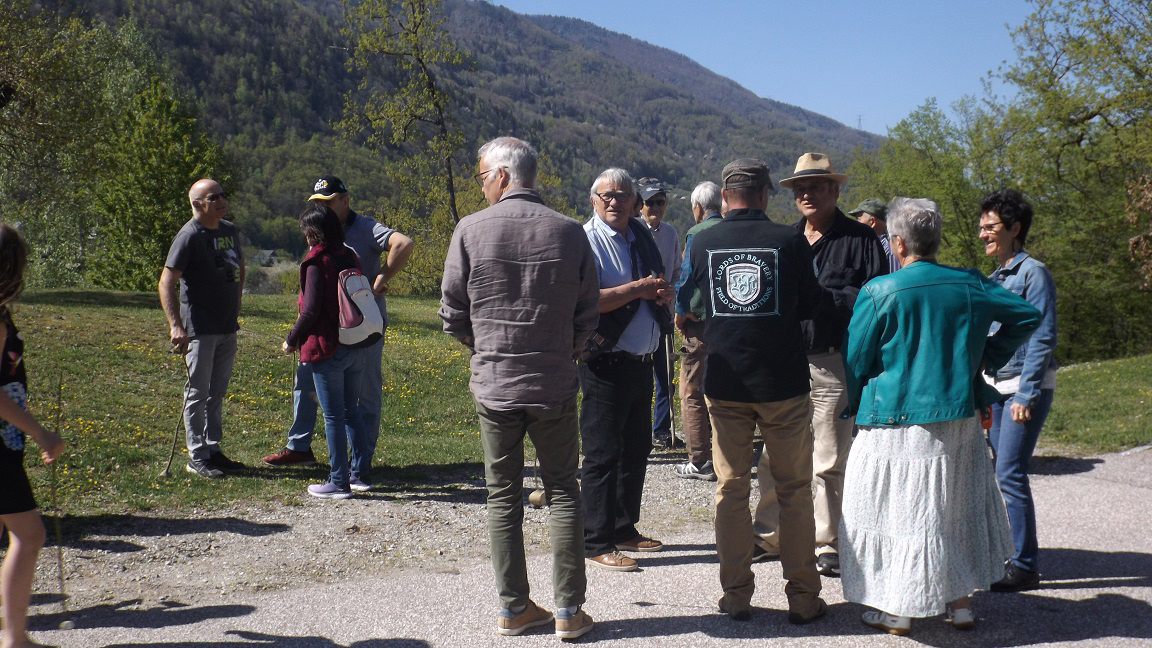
(787, 457)
(693, 408)
(832, 439)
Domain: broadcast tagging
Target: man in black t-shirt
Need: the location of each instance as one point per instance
(206, 261)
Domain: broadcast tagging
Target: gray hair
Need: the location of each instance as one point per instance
(707, 195)
(616, 176)
(917, 221)
(515, 156)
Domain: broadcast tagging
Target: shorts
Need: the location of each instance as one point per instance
(15, 489)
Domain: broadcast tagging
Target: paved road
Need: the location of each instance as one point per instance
(1095, 520)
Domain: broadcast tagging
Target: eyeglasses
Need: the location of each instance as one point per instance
(656, 202)
(213, 197)
(609, 196)
(813, 188)
(990, 228)
(479, 177)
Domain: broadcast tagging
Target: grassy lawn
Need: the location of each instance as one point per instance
(1100, 407)
(122, 398)
(122, 392)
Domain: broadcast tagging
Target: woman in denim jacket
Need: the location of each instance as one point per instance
(1027, 382)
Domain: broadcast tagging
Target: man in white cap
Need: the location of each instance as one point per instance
(382, 252)
(847, 256)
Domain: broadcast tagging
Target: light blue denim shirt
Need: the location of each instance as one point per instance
(612, 251)
(1030, 279)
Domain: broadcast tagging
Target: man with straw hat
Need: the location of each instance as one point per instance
(847, 256)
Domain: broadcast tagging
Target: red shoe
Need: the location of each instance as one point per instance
(288, 457)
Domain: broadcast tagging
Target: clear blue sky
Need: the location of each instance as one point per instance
(861, 62)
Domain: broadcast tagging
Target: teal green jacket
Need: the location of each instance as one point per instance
(918, 339)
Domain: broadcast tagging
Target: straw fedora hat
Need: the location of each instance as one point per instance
(813, 165)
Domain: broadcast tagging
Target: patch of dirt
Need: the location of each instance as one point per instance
(147, 560)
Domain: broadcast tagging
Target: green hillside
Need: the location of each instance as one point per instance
(270, 78)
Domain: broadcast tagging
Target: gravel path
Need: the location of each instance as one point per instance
(205, 555)
(408, 569)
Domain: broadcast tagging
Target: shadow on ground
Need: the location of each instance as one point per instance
(260, 639)
(1062, 465)
(78, 530)
(127, 614)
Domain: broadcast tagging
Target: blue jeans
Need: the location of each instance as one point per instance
(209, 361)
(337, 381)
(1012, 444)
(304, 408)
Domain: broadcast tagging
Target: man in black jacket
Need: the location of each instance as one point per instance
(757, 283)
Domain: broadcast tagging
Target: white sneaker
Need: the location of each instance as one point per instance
(960, 618)
(688, 470)
(890, 623)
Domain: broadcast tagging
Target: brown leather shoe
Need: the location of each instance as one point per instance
(614, 561)
(531, 617)
(574, 627)
(640, 543)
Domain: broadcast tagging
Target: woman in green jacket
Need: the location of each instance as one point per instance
(923, 522)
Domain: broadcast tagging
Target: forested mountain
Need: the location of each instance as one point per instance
(269, 75)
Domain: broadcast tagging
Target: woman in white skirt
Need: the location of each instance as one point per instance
(923, 522)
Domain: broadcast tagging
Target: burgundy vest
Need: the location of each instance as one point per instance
(322, 340)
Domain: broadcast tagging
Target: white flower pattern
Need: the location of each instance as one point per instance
(14, 438)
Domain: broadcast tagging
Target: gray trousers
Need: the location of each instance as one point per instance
(209, 362)
(556, 436)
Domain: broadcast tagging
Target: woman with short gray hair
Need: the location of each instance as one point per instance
(923, 524)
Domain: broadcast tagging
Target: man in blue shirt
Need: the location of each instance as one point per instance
(616, 374)
(706, 209)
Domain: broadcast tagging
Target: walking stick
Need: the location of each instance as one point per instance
(538, 497)
(66, 624)
(179, 417)
(671, 359)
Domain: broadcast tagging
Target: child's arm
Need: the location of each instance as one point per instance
(51, 445)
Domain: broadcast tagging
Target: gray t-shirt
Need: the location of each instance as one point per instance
(209, 263)
(369, 240)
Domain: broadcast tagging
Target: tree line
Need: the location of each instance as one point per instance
(110, 108)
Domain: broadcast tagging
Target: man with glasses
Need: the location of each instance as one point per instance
(206, 262)
(655, 198)
(616, 373)
(848, 255)
(382, 252)
(524, 342)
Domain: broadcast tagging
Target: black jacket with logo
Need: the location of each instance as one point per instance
(757, 282)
